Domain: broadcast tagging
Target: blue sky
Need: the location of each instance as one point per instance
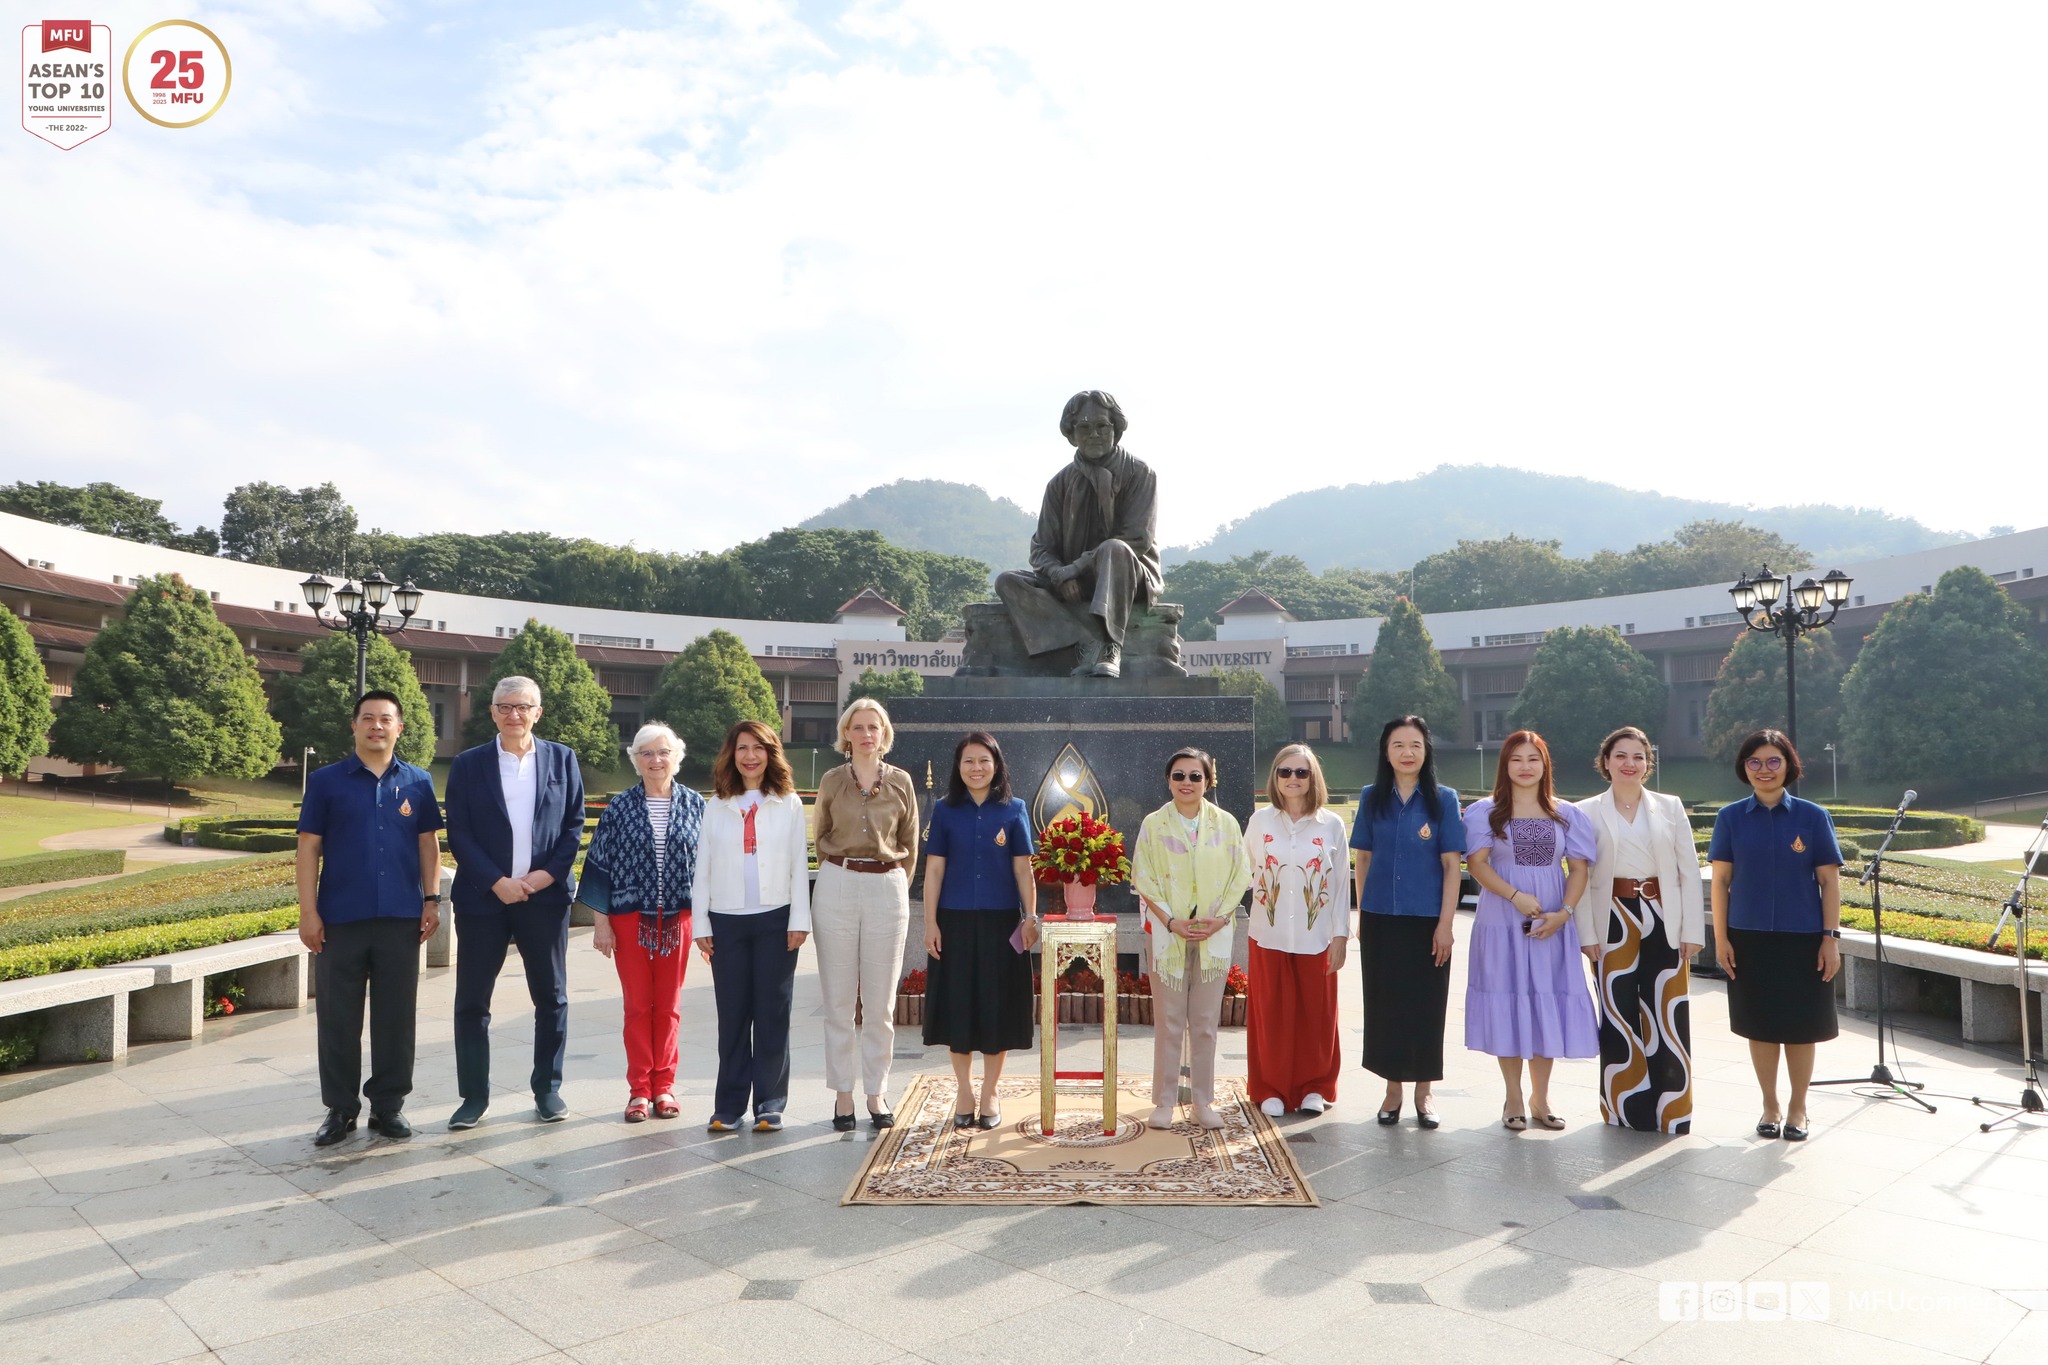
(681, 274)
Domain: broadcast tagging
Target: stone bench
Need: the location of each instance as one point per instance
(1990, 995)
(172, 1006)
(85, 1012)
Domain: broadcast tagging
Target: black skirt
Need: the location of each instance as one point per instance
(1406, 994)
(977, 991)
(1777, 995)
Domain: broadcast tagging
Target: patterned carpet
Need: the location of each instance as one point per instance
(925, 1160)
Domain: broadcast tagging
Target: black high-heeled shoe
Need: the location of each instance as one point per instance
(1389, 1117)
(881, 1118)
(842, 1123)
(1425, 1118)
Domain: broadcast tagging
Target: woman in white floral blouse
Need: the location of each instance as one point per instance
(1300, 924)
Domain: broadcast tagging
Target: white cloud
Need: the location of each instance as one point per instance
(711, 274)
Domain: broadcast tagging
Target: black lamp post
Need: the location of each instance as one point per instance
(1758, 601)
(360, 612)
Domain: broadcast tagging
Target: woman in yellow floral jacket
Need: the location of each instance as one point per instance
(1189, 870)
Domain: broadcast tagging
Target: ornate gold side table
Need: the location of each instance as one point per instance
(1060, 941)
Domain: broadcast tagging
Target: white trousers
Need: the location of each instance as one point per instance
(1185, 1016)
(859, 921)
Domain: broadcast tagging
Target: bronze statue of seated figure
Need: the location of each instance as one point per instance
(1092, 591)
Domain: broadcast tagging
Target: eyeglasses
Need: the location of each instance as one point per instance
(514, 708)
(1290, 772)
(1189, 777)
(1766, 765)
(655, 755)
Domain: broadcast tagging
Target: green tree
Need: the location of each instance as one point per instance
(886, 687)
(1583, 683)
(1203, 586)
(1698, 552)
(574, 710)
(307, 531)
(1271, 727)
(950, 583)
(1949, 685)
(24, 698)
(1749, 693)
(313, 706)
(1509, 572)
(1405, 676)
(707, 689)
(167, 691)
(106, 510)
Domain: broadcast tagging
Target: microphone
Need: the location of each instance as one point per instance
(1911, 797)
(1870, 868)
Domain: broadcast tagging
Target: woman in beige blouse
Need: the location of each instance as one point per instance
(860, 911)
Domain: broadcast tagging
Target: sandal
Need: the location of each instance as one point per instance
(665, 1107)
(636, 1109)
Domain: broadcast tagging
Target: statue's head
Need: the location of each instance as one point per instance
(1093, 424)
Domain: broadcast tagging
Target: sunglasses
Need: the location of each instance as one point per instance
(1189, 777)
(1290, 772)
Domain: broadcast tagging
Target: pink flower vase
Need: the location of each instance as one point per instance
(1080, 900)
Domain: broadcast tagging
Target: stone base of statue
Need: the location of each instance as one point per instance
(1097, 745)
(994, 649)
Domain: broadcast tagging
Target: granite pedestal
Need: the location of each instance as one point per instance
(1104, 739)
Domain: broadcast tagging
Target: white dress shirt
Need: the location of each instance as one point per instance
(519, 778)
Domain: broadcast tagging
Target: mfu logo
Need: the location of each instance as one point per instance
(65, 81)
(176, 73)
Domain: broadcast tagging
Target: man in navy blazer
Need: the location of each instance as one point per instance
(515, 821)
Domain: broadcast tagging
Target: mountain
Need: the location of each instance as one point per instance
(1392, 525)
(932, 514)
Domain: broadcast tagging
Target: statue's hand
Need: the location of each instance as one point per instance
(1069, 589)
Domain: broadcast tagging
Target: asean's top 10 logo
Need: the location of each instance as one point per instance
(176, 73)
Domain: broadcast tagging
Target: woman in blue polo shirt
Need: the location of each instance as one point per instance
(977, 876)
(1407, 841)
(1777, 915)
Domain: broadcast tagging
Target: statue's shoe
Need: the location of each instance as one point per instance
(1108, 663)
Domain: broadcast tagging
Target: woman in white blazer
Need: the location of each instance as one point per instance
(1644, 908)
(750, 910)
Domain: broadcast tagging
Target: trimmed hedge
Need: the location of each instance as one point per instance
(239, 835)
(128, 945)
(1920, 829)
(61, 865)
(176, 892)
(47, 929)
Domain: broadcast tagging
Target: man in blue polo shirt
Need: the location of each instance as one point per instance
(369, 881)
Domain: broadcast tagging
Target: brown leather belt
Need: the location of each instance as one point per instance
(1628, 888)
(860, 864)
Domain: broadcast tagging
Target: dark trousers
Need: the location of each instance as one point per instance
(382, 957)
(481, 939)
(753, 974)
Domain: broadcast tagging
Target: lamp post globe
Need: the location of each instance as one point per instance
(1807, 607)
(359, 612)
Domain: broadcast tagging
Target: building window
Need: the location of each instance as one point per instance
(1859, 599)
(1722, 618)
(213, 596)
(2006, 577)
(1629, 629)
(1688, 623)
(440, 720)
(617, 641)
(1520, 637)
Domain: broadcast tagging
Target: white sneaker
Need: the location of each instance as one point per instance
(1312, 1103)
(1273, 1108)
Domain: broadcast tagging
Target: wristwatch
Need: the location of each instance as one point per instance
(1832, 933)
(434, 899)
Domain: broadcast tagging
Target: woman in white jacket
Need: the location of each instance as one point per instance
(1644, 908)
(750, 910)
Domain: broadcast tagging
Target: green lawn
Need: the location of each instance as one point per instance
(25, 821)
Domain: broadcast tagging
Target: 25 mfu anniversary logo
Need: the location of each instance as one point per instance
(175, 74)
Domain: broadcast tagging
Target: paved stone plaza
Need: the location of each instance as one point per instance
(172, 1208)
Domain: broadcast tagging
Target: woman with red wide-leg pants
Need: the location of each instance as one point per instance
(1300, 924)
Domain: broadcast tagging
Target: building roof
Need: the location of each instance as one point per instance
(868, 602)
(1251, 602)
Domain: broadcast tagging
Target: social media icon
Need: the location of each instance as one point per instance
(1807, 1300)
(1720, 1301)
(1766, 1301)
(1678, 1301)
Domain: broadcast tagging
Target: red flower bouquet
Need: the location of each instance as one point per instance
(1080, 849)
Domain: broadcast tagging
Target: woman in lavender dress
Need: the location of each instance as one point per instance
(1525, 993)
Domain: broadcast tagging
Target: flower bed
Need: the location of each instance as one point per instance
(168, 896)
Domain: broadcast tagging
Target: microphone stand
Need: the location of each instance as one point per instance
(1895, 1087)
(2030, 1101)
